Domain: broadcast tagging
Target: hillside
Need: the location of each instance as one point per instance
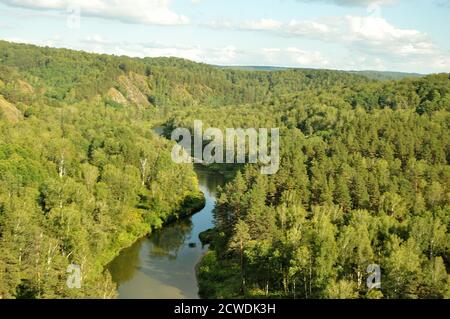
(62, 74)
(9, 111)
(384, 75)
(374, 75)
(82, 175)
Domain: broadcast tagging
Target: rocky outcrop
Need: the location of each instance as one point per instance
(25, 87)
(135, 88)
(115, 96)
(9, 111)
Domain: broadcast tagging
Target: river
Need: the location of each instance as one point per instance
(162, 265)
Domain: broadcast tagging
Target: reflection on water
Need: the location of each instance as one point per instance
(163, 264)
(167, 242)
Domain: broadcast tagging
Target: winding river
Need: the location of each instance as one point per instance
(162, 265)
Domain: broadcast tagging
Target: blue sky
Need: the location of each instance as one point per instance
(395, 35)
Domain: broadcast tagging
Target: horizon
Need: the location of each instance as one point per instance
(345, 35)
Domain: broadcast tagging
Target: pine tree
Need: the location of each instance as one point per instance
(239, 242)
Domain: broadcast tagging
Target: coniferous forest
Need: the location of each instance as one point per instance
(364, 175)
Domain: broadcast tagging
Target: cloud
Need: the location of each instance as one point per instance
(95, 39)
(372, 37)
(219, 24)
(441, 63)
(360, 3)
(130, 11)
(5, 26)
(218, 55)
(307, 58)
(225, 55)
(295, 57)
(307, 28)
(376, 34)
(371, 34)
(262, 25)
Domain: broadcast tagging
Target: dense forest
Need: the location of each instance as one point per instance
(364, 180)
(80, 180)
(364, 175)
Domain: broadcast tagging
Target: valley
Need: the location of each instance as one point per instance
(85, 180)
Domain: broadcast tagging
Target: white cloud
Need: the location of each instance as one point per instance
(382, 44)
(224, 55)
(295, 57)
(96, 39)
(441, 63)
(271, 55)
(5, 26)
(308, 58)
(363, 3)
(293, 28)
(262, 25)
(377, 34)
(221, 55)
(219, 24)
(130, 11)
(307, 28)
(371, 34)
(218, 55)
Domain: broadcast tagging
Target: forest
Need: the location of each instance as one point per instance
(364, 176)
(364, 180)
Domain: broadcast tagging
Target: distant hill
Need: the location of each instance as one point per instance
(255, 68)
(120, 81)
(373, 75)
(386, 75)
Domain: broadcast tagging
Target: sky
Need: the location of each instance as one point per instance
(383, 35)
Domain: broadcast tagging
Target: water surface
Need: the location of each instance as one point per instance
(162, 265)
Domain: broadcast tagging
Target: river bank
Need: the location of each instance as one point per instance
(162, 264)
